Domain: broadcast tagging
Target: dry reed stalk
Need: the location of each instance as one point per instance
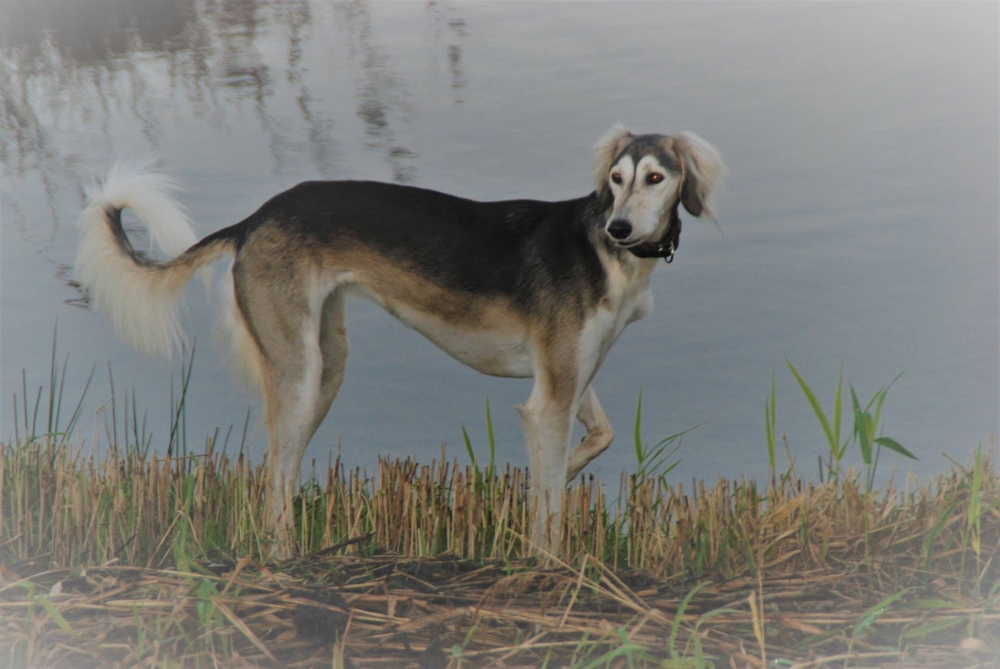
(99, 557)
(433, 612)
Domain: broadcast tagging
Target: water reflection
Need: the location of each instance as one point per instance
(456, 33)
(381, 93)
(241, 98)
(104, 68)
(321, 144)
(94, 32)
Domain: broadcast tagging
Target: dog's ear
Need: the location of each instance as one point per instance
(703, 169)
(607, 148)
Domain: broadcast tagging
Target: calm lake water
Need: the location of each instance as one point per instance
(858, 226)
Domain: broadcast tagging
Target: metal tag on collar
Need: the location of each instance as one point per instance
(669, 257)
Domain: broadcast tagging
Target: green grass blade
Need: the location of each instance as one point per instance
(656, 457)
(933, 604)
(675, 627)
(838, 408)
(469, 449)
(59, 399)
(492, 440)
(931, 537)
(627, 648)
(57, 617)
(881, 398)
(53, 385)
(770, 420)
(862, 427)
(931, 627)
(817, 409)
(869, 617)
(79, 405)
(708, 615)
(178, 435)
(637, 432)
(895, 446)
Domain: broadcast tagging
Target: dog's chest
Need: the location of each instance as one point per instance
(605, 324)
(617, 311)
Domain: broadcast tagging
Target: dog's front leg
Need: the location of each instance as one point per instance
(598, 437)
(547, 417)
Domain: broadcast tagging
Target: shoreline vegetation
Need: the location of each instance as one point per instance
(137, 560)
(127, 558)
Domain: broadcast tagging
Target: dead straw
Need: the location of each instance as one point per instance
(149, 561)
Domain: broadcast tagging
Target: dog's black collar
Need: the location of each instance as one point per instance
(666, 247)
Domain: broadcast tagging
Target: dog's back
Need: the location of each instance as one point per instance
(512, 288)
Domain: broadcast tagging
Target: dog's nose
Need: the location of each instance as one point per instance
(619, 229)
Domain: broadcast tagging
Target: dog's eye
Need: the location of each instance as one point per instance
(654, 178)
(616, 177)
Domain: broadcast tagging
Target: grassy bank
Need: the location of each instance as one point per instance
(124, 557)
(151, 561)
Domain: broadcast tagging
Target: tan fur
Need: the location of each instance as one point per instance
(288, 300)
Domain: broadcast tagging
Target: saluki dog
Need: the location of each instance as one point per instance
(517, 288)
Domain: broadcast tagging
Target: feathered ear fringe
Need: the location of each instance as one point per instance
(703, 171)
(607, 148)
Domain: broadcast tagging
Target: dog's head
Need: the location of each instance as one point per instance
(641, 178)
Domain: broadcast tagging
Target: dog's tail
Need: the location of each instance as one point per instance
(141, 294)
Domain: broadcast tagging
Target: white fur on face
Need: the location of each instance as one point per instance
(643, 193)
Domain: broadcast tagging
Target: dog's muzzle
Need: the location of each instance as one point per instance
(665, 247)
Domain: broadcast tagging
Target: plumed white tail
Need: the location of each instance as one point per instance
(141, 296)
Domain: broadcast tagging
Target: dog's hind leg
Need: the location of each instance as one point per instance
(333, 343)
(598, 437)
(303, 349)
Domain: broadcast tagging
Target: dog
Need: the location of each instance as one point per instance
(516, 288)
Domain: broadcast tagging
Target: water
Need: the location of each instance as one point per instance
(858, 226)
